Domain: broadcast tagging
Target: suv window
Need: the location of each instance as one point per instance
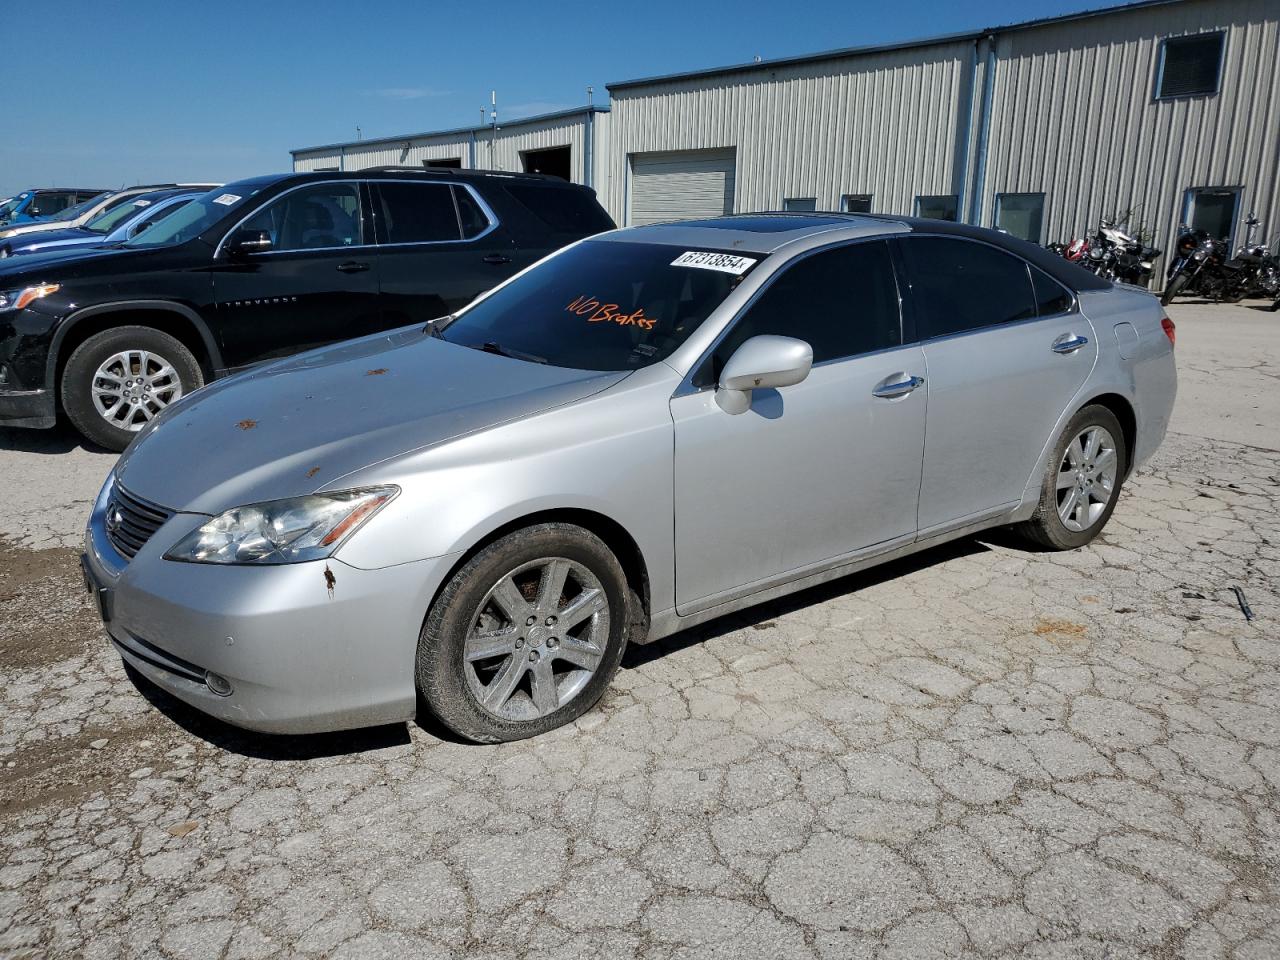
(312, 218)
(48, 203)
(473, 218)
(959, 285)
(417, 213)
(563, 210)
(842, 302)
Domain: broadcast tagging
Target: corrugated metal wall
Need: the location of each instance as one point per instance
(492, 152)
(879, 124)
(1074, 116)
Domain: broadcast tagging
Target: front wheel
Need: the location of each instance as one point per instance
(118, 380)
(1081, 483)
(1173, 288)
(527, 635)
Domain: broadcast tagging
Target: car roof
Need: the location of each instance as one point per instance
(765, 233)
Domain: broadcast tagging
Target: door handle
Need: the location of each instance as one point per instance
(1069, 343)
(897, 385)
(353, 266)
(496, 258)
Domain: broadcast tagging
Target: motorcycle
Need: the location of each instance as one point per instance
(1202, 266)
(1112, 254)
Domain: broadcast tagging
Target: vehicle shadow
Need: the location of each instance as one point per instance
(638, 655)
(268, 746)
(62, 438)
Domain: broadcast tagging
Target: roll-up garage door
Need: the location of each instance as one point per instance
(681, 186)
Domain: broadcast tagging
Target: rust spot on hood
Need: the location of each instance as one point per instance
(312, 472)
(377, 372)
(247, 424)
(329, 580)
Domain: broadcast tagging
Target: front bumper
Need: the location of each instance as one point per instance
(299, 658)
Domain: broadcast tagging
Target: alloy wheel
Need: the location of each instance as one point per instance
(131, 387)
(1087, 478)
(537, 638)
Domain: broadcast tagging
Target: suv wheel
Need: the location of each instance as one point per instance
(527, 635)
(1082, 481)
(117, 381)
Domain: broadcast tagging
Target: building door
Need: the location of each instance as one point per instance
(686, 185)
(555, 162)
(1213, 209)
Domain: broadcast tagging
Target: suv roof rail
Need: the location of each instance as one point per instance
(459, 172)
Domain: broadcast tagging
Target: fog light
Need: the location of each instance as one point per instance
(218, 684)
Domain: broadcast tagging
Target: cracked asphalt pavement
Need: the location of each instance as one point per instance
(982, 751)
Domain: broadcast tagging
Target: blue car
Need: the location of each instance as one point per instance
(42, 203)
(116, 225)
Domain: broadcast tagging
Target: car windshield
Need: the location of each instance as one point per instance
(194, 218)
(602, 305)
(9, 206)
(106, 222)
(74, 211)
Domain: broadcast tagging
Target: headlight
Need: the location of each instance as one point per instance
(283, 531)
(17, 299)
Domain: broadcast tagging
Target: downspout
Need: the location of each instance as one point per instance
(984, 132)
(586, 147)
(963, 188)
(473, 149)
(342, 157)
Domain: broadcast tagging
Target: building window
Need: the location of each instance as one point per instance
(800, 203)
(1021, 215)
(856, 203)
(1190, 66)
(946, 207)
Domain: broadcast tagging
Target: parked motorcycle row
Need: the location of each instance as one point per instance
(1200, 265)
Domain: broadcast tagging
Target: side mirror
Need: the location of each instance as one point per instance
(245, 242)
(762, 363)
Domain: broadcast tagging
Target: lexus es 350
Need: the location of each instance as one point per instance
(645, 430)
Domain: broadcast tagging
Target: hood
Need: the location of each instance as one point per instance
(70, 235)
(32, 267)
(303, 424)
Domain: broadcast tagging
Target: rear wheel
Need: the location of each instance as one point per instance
(527, 635)
(1082, 481)
(1173, 288)
(119, 380)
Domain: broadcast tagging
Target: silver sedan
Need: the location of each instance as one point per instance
(646, 430)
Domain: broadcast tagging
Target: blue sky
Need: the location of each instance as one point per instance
(155, 90)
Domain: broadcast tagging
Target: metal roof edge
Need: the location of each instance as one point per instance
(555, 115)
(843, 52)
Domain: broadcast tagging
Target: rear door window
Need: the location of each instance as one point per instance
(416, 213)
(961, 285)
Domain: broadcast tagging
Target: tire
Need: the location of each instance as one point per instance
(168, 371)
(1048, 527)
(493, 699)
(1173, 288)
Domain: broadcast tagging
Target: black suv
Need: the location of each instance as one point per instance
(261, 269)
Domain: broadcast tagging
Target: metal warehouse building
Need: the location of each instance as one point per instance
(1168, 110)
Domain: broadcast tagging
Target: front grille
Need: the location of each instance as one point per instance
(131, 521)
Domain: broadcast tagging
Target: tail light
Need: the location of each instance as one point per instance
(1170, 330)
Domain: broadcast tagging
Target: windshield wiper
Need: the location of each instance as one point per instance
(492, 346)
